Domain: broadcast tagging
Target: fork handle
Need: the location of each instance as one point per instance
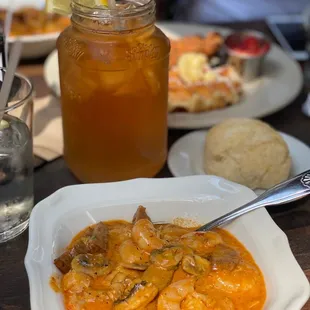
(290, 190)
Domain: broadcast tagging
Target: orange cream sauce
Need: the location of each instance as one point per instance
(242, 286)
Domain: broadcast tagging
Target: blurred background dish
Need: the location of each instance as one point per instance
(37, 29)
(30, 21)
(18, 4)
(247, 51)
(280, 83)
(36, 46)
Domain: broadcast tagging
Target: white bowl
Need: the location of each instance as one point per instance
(36, 46)
(55, 220)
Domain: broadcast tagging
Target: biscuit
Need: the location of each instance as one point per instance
(248, 152)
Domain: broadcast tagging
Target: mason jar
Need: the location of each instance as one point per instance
(113, 68)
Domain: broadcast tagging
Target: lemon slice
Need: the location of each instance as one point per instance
(63, 7)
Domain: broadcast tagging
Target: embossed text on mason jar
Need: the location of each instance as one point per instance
(143, 51)
(73, 48)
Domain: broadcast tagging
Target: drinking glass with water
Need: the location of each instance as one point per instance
(16, 160)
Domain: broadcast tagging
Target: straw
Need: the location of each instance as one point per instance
(112, 4)
(9, 76)
(2, 56)
(7, 28)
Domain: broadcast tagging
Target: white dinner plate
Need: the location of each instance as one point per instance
(280, 83)
(55, 220)
(185, 157)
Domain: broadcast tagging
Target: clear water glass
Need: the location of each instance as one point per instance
(16, 160)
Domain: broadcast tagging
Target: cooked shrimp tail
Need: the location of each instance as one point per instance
(145, 235)
(140, 214)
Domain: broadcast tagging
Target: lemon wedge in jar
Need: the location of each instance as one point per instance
(64, 6)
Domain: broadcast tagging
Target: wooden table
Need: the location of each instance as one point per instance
(294, 219)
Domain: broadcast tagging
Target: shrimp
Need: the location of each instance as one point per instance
(243, 280)
(145, 236)
(90, 298)
(75, 282)
(118, 286)
(132, 257)
(119, 232)
(197, 301)
(192, 44)
(120, 283)
(91, 264)
(196, 265)
(104, 282)
(201, 242)
(139, 296)
(171, 297)
(212, 43)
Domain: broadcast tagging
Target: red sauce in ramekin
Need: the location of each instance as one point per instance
(247, 44)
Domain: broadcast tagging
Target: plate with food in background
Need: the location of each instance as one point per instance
(37, 29)
(206, 85)
(246, 151)
(113, 246)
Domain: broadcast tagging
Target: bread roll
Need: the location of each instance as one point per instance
(248, 152)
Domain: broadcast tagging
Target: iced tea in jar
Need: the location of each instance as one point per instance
(113, 68)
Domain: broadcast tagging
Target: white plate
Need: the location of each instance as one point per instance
(280, 84)
(185, 157)
(55, 220)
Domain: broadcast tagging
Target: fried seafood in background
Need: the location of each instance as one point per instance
(31, 21)
(200, 80)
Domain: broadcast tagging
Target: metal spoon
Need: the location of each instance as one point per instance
(290, 190)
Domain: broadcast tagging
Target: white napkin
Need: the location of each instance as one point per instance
(47, 128)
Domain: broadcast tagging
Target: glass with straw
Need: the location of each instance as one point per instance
(16, 159)
(113, 64)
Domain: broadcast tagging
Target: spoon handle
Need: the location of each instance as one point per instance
(290, 190)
